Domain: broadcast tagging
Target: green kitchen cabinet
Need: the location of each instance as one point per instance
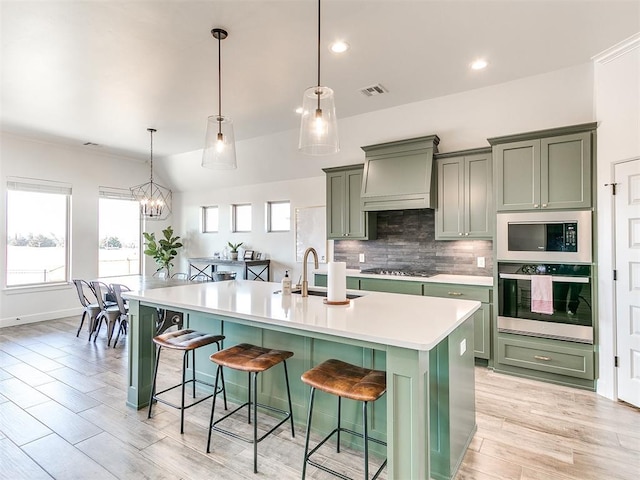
(464, 208)
(345, 218)
(391, 286)
(549, 169)
(320, 280)
(481, 318)
(559, 361)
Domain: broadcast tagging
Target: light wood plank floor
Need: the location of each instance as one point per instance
(63, 415)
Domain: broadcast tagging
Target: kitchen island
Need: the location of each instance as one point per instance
(425, 344)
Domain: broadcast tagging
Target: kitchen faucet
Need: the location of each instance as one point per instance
(305, 283)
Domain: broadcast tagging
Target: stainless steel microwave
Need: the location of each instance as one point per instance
(546, 236)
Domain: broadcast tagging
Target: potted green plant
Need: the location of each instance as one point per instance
(164, 250)
(234, 249)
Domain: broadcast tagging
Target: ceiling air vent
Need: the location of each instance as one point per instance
(373, 90)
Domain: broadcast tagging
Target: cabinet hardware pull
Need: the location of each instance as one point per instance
(455, 294)
(460, 234)
(466, 234)
(535, 205)
(540, 357)
(544, 205)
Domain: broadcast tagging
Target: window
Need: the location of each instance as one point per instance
(118, 233)
(279, 216)
(37, 232)
(241, 218)
(210, 219)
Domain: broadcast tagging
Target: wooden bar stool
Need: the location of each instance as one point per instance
(251, 359)
(187, 341)
(349, 381)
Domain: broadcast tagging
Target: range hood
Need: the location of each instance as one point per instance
(399, 175)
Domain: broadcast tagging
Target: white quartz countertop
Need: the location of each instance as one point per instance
(407, 321)
(476, 280)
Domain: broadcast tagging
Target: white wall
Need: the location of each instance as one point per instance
(617, 102)
(279, 246)
(85, 170)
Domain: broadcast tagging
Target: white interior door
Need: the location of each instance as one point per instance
(627, 226)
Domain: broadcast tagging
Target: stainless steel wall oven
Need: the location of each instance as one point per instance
(571, 296)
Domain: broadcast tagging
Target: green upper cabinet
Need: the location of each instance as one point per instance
(345, 218)
(549, 169)
(464, 208)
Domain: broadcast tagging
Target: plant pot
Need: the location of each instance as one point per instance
(234, 255)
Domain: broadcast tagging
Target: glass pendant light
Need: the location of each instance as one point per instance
(318, 124)
(154, 199)
(220, 146)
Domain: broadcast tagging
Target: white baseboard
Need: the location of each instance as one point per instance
(40, 317)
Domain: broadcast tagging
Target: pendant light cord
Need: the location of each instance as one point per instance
(219, 86)
(151, 130)
(318, 89)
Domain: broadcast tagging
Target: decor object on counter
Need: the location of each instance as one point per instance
(154, 199)
(234, 249)
(337, 283)
(219, 148)
(248, 254)
(162, 251)
(318, 124)
(286, 283)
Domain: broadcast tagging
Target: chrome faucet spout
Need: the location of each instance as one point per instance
(305, 282)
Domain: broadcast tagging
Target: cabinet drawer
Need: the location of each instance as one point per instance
(320, 280)
(462, 292)
(546, 355)
(391, 286)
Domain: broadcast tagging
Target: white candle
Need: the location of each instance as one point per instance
(337, 282)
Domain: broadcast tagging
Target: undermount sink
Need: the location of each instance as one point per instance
(323, 293)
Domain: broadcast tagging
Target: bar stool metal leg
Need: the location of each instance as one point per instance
(153, 385)
(255, 422)
(306, 439)
(286, 377)
(366, 440)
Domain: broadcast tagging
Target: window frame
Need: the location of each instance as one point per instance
(34, 185)
(269, 214)
(121, 194)
(203, 218)
(234, 217)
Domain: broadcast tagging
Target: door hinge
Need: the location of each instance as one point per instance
(615, 275)
(613, 187)
(616, 361)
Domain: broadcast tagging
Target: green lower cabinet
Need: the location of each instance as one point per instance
(320, 280)
(391, 286)
(451, 380)
(482, 329)
(566, 363)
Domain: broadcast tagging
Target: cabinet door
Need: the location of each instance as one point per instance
(565, 170)
(517, 178)
(450, 210)
(478, 211)
(482, 332)
(335, 204)
(354, 217)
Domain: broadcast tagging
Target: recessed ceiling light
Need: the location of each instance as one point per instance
(339, 47)
(479, 64)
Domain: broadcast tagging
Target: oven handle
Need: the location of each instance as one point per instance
(554, 278)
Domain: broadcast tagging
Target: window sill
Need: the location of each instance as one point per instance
(25, 289)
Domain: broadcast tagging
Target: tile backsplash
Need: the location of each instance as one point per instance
(406, 239)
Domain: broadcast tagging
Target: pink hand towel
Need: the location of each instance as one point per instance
(542, 294)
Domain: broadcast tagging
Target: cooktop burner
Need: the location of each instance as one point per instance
(398, 272)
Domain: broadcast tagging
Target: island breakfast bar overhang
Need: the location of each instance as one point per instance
(425, 345)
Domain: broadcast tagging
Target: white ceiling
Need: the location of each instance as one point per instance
(104, 71)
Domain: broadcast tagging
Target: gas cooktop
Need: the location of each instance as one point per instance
(400, 272)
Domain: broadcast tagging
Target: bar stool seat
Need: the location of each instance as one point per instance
(185, 340)
(344, 380)
(254, 360)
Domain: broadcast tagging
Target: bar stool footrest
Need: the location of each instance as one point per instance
(333, 472)
(286, 414)
(179, 385)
